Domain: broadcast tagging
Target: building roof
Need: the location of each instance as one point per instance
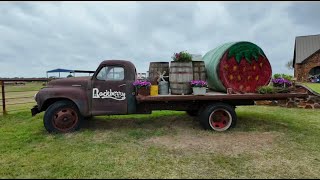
(60, 70)
(305, 46)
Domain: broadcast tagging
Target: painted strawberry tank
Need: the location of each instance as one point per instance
(241, 66)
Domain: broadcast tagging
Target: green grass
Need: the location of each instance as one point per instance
(29, 86)
(268, 142)
(20, 97)
(313, 86)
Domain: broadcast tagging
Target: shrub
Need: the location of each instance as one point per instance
(276, 76)
(266, 90)
(284, 76)
(287, 77)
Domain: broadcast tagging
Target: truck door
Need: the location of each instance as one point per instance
(109, 94)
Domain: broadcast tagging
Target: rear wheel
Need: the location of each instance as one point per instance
(62, 117)
(218, 117)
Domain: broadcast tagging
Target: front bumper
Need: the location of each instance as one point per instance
(35, 110)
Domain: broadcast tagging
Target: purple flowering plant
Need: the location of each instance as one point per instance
(140, 83)
(281, 82)
(198, 83)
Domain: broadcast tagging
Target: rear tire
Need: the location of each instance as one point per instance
(218, 117)
(62, 117)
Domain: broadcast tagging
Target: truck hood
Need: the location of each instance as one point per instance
(73, 81)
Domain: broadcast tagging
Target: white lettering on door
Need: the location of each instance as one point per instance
(116, 95)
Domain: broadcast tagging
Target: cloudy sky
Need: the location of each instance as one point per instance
(40, 36)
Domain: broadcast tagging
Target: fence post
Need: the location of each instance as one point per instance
(4, 112)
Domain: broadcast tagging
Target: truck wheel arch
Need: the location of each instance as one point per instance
(50, 101)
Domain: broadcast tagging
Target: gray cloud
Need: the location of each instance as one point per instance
(36, 37)
(305, 14)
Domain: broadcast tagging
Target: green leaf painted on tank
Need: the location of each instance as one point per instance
(261, 52)
(246, 50)
(248, 56)
(239, 57)
(255, 55)
(233, 51)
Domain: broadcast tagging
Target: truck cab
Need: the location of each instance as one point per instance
(67, 101)
(111, 88)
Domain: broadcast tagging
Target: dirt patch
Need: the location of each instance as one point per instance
(169, 122)
(228, 144)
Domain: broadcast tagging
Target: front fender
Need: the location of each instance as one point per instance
(46, 96)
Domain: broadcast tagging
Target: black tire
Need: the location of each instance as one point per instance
(192, 113)
(225, 117)
(62, 117)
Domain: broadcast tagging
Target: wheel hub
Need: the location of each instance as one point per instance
(65, 119)
(220, 119)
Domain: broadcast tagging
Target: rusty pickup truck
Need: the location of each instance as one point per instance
(110, 91)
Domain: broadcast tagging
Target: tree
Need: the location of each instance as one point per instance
(289, 64)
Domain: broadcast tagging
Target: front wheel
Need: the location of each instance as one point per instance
(218, 117)
(62, 117)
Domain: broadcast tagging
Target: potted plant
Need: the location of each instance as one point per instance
(199, 87)
(281, 82)
(142, 87)
(182, 56)
(282, 85)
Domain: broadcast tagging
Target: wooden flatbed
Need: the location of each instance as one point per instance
(218, 96)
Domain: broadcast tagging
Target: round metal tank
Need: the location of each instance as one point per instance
(241, 66)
